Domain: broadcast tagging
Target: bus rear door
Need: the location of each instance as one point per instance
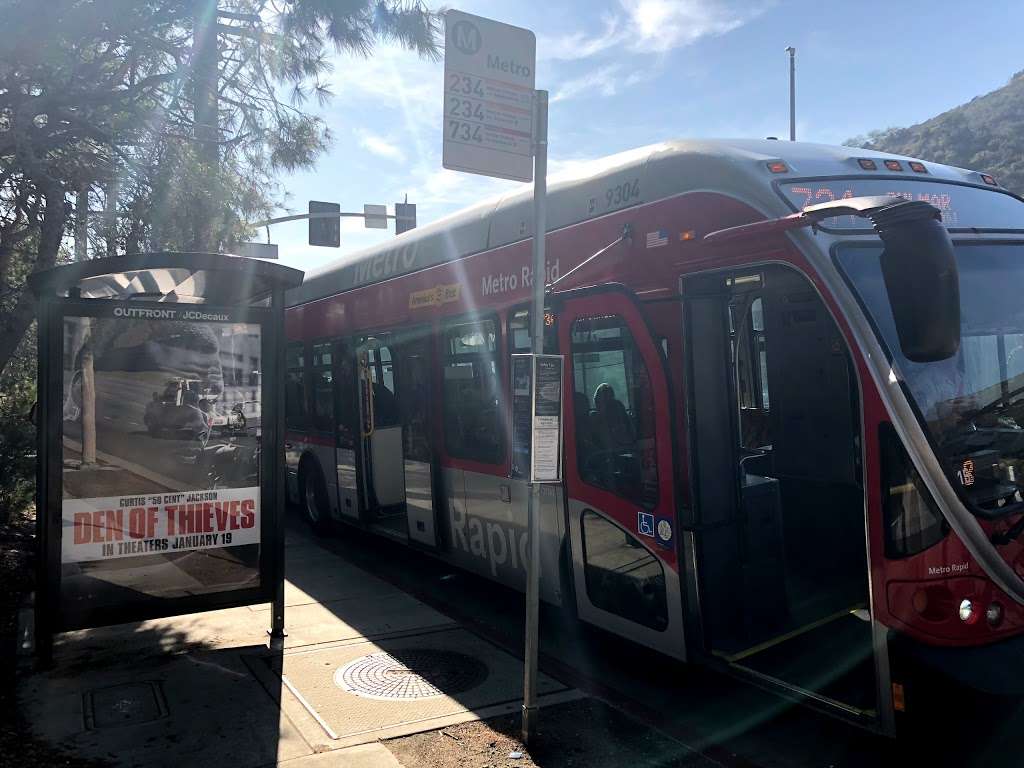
(396, 462)
(618, 472)
(381, 464)
(414, 374)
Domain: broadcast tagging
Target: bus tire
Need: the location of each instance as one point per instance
(313, 497)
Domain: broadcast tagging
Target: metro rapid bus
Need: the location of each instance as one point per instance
(794, 411)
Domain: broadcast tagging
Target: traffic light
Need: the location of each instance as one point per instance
(405, 217)
(325, 231)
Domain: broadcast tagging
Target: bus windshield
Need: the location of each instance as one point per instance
(972, 404)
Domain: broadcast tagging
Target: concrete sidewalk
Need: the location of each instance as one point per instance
(362, 661)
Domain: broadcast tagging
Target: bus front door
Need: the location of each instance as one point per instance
(619, 473)
(778, 520)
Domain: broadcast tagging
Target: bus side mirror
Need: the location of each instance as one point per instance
(921, 279)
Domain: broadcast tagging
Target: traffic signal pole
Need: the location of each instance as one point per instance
(407, 218)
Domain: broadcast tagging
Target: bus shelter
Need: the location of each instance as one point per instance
(160, 427)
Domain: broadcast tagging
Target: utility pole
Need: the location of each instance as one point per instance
(82, 223)
(792, 92)
(206, 129)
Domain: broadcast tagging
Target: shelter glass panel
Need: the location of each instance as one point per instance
(161, 444)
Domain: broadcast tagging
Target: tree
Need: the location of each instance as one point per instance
(985, 134)
(174, 116)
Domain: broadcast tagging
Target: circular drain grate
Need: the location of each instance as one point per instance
(415, 673)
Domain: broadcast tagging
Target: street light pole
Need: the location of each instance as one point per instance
(792, 92)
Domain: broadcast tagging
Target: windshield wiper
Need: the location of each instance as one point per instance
(1002, 401)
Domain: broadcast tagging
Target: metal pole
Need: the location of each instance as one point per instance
(273, 394)
(540, 191)
(792, 92)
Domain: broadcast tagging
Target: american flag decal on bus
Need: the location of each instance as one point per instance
(657, 239)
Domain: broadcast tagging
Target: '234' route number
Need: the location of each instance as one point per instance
(466, 85)
(471, 110)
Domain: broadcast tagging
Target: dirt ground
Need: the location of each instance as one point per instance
(579, 734)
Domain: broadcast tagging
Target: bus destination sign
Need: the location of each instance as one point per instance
(489, 76)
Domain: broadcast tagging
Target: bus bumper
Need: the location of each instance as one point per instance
(996, 669)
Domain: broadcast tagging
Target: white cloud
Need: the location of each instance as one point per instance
(380, 146)
(580, 45)
(654, 26)
(662, 25)
(390, 75)
(605, 81)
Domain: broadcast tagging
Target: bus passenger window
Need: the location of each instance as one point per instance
(751, 371)
(473, 426)
(323, 388)
(622, 576)
(346, 399)
(614, 409)
(294, 386)
(382, 376)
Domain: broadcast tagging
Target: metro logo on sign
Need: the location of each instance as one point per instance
(488, 99)
(466, 37)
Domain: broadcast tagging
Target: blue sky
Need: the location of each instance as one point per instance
(624, 73)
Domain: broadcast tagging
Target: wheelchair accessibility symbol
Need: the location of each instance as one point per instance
(645, 524)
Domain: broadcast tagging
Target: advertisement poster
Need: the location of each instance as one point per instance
(103, 529)
(161, 434)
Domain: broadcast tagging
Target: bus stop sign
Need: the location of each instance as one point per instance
(489, 77)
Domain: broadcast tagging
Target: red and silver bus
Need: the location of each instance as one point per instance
(793, 433)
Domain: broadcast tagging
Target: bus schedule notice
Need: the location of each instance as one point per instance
(489, 76)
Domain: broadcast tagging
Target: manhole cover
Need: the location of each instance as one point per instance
(410, 674)
(127, 704)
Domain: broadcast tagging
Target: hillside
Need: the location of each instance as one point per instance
(985, 134)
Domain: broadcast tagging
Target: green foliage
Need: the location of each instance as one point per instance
(17, 435)
(145, 125)
(985, 134)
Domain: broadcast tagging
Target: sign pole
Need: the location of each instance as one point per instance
(540, 190)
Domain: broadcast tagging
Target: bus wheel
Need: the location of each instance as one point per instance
(313, 495)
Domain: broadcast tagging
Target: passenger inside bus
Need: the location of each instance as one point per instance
(586, 442)
(385, 406)
(612, 426)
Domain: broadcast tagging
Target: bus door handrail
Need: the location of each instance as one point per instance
(368, 378)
